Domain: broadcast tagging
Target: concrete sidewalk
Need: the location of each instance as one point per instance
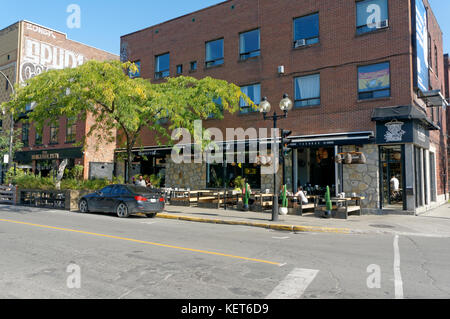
(435, 223)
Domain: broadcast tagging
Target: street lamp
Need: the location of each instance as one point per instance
(264, 107)
(11, 131)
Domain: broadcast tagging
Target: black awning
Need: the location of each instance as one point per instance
(329, 140)
(404, 112)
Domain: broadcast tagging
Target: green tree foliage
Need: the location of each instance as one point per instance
(4, 142)
(117, 102)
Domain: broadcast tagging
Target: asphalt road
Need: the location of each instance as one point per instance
(43, 251)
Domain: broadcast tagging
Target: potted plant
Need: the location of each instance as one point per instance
(283, 210)
(329, 205)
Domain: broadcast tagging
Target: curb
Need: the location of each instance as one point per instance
(290, 228)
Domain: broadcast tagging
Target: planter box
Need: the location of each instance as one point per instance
(64, 199)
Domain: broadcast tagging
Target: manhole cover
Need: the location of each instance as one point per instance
(382, 226)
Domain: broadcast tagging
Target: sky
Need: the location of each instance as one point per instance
(104, 21)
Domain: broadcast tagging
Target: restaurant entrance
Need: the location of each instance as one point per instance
(316, 170)
(391, 176)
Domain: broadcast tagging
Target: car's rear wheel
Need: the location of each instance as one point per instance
(151, 215)
(122, 210)
(83, 206)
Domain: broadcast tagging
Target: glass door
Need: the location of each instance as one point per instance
(391, 171)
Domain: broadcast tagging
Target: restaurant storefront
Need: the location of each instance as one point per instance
(46, 162)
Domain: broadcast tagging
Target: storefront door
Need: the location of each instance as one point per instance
(391, 176)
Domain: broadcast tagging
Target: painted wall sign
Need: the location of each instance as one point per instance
(39, 57)
(394, 132)
(422, 77)
(40, 30)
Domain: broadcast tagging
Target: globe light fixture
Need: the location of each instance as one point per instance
(286, 103)
(264, 106)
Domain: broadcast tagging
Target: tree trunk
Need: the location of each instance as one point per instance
(129, 163)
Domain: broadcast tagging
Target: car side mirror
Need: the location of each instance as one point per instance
(99, 193)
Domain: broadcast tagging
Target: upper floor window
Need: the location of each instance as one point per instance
(38, 137)
(374, 81)
(249, 44)
(25, 133)
(371, 15)
(254, 93)
(307, 90)
(54, 129)
(162, 66)
(71, 129)
(219, 104)
(135, 74)
(180, 69)
(306, 30)
(193, 66)
(214, 53)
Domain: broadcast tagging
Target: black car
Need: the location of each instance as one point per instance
(124, 200)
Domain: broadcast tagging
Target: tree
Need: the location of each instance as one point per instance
(5, 140)
(104, 91)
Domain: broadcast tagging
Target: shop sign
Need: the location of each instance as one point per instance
(397, 132)
(45, 156)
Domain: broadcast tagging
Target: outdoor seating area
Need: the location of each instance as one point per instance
(262, 201)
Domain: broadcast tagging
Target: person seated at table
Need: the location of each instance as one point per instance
(301, 196)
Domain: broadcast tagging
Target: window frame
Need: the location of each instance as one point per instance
(246, 55)
(73, 128)
(40, 133)
(308, 99)
(247, 107)
(51, 140)
(374, 98)
(191, 64)
(25, 141)
(207, 62)
(363, 26)
(179, 69)
(161, 74)
(293, 30)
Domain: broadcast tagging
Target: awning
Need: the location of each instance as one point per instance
(329, 140)
(404, 112)
(433, 98)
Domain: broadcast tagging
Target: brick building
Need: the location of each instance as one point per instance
(26, 50)
(364, 76)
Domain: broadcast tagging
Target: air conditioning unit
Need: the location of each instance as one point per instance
(281, 69)
(299, 43)
(383, 24)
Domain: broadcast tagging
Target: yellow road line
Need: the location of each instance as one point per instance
(142, 242)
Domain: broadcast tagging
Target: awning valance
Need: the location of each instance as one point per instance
(404, 112)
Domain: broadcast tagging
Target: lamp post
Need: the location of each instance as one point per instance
(264, 107)
(11, 131)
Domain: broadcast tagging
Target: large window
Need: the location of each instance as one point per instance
(254, 93)
(374, 81)
(217, 175)
(25, 133)
(54, 129)
(371, 15)
(214, 53)
(307, 90)
(306, 30)
(71, 129)
(162, 66)
(249, 44)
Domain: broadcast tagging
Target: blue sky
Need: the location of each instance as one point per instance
(104, 21)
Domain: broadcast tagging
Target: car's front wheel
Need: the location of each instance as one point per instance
(122, 210)
(83, 206)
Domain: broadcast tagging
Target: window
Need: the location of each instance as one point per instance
(180, 69)
(307, 90)
(193, 65)
(371, 15)
(25, 133)
(38, 137)
(374, 81)
(71, 130)
(135, 74)
(107, 190)
(249, 44)
(54, 129)
(214, 53)
(254, 93)
(306, 30)
(218, 102)
(436, 64)
(162, 66)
